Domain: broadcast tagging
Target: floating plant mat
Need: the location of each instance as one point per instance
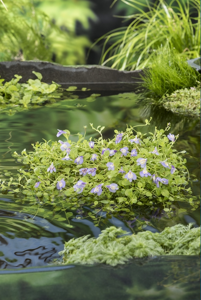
(28, 127)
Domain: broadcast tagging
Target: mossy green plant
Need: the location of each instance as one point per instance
(184, 101)
(126, 175)
(111, 249)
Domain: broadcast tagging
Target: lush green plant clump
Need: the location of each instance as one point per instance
(163, 26)
(110, 249)
(123, 176)
(184, 101)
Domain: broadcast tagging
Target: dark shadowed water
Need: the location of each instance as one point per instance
(32, 241)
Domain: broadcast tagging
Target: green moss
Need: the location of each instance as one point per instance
(110, 249)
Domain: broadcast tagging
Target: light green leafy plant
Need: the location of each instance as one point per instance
(164, 25)
(184, 101)
(111, 249)
(125, 176)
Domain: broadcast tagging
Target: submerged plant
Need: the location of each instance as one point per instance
(164, 25)
(111, 249)
(73, 175)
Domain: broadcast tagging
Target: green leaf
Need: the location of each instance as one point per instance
(129, 193)
(165, 193)
(38, 75)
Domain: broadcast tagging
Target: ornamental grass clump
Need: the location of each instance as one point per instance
(121, 176)
(111, 249)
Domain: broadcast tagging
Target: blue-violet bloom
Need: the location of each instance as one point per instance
(164, 164)
(104, 149)
(155, 151)
(66, 157)
(135, 140)
(156, 180)
(110, 166)
(124, 151)
(91, 144)
(83, 171)
(173, 169)
(163, 180)
(142, 162)
(65, 146)
(113, 187)
(79, 186)
(60, 132)
(121, 170)
(118, 138)
(91, 171)
(94, 157)
(171, 137)
(37, 184)
(112, 152)
(61, 184)
(144, 173)
(130, 176)
(134, 152)
(51, 168)
(79, 160)
(97, 189)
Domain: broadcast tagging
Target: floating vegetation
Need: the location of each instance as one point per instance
(110, 249)
(184, 101)
(127, 175)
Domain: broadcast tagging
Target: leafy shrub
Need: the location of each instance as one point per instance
(122, 176)
(110, 249)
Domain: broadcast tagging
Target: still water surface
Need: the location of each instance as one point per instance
(27, 240)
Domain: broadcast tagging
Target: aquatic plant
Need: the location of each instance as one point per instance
(112, 248)
(164, 25)
(106, 175)
(184, 101)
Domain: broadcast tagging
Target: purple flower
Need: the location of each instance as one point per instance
(97, 190)
(66, 157)
(163, 180)
(142, 162)
(113, 187)
(61, 184)
(83, 171)
(91, 171)
(130, 176)
(118, 138)
(173, 169)
(112, 152)
(171, 137)
(156, 180)
(144, 173)
(65, 146)
(124, 151)
(155, 151)
(37, 184)
(121, 170)
(134, 152)
(61, 142)
(135, 140)
(110, 166)
(91, 144)
(104, 149)
(79, 160)
(51, 168)
(60, 132)
(79, 186)
(94, 157)
(164, 164)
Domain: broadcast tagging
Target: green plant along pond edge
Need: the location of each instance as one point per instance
(127, 175)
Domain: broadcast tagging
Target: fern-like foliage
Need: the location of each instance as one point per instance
(110, 249)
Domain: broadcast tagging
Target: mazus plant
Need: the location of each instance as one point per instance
(124, 176)
(164, 25)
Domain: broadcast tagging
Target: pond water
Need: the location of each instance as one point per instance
(27, 240)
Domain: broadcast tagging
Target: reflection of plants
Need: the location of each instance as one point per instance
(107, 248)
(162, 26)
(27, 33)
(136, 171)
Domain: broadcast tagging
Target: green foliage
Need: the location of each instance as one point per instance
(110, 249)
(184, 101)
(164, 25)
(130, 200)
(26, 28)
(169, 72)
